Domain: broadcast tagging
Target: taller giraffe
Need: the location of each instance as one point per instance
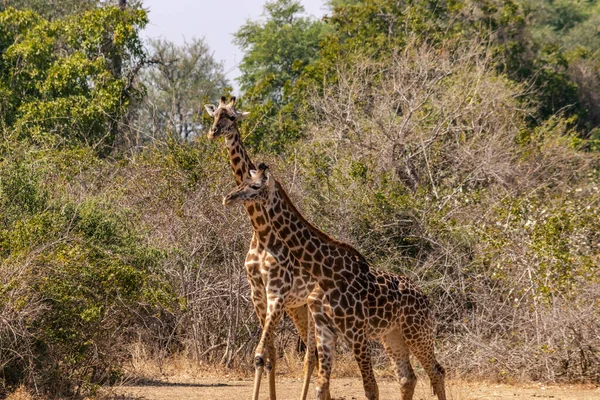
(362, 303)
(276, 279)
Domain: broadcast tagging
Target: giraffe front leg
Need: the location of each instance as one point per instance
(259, 300)
(325, 339)
(272, 362)
(310, 358)
(266, 348)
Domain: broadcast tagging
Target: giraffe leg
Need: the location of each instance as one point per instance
(325, 339)
(259, 301)
(306, 328)
(310, 358)
(399, 354)
(266, 347)
(423, 348)
(258, 294)
(271, 363)
(258, 371)
(362, 354)
(299, 316)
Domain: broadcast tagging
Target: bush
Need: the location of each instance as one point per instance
(78, 282)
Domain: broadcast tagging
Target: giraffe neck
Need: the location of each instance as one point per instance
(321, 255)
(238, 156)
(241, 165)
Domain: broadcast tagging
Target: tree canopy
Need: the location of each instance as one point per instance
(58, 82)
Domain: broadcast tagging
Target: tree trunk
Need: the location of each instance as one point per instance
(117, 70)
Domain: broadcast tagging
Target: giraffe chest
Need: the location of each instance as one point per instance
(303, 284)
(279, 273)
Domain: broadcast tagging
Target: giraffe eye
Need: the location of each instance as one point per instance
(231, 117)
(255, 186)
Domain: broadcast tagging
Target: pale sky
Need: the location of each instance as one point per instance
(216, 21)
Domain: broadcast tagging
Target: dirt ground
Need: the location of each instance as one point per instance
(346, 389)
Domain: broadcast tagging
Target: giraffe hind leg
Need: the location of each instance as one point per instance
(310, 358)
(423, 349)
(325, 339)
(299, 316)
(399, 355)
(362, 354)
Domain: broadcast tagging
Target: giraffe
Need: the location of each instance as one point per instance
(360, 302)
(276, 279)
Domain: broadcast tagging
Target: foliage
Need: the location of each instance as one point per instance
(52, 10)
(276, 53)
(432, 171)
(561, 78)
(59, 86)
(568, 28)
(277, 50)
(57, 9)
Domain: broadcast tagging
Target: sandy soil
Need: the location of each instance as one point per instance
(347, 389)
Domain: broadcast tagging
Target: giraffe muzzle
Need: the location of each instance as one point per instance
(213, 133)
(230, 199)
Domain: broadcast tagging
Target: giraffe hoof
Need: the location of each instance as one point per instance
(259, 362)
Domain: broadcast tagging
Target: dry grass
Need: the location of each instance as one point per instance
(21, 394)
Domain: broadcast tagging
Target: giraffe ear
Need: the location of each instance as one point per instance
(241, 115)
(253, 173)
(210, 109)
(266, 175)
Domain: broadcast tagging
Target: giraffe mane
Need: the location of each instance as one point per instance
(319, 233)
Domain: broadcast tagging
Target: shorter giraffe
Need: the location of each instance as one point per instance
(359, 302)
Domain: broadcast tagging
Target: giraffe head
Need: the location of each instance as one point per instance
(225, 117)
(256, 188)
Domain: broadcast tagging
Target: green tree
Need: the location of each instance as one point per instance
(56, 9)
(52, 9)
(74, 272)
(567, 30)
(57, 78)
(277, 50)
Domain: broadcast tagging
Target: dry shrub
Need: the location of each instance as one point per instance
(174, 193)
(20, 394)
(429, 165)
(17, 310)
